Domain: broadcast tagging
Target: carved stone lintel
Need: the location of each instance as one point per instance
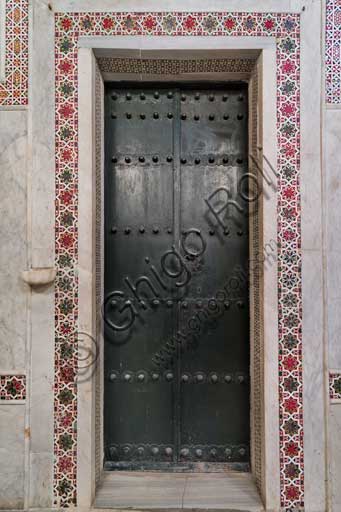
(39, 276)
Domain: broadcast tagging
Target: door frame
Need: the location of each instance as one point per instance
(265, 460)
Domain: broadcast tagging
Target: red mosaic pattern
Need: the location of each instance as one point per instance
(12, 387)
(335, 386)
(14, 90)
(285, 27)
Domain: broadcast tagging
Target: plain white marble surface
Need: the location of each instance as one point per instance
(270, 288)
(178, 5)
(333, 179)
(333, 232)
(42, 372)
(332, 224)
(42, 119)
(42, 175)
(88, 436)
(13, 236)
(335, 456)
(314, 391)
(12, 421)
(40, 484)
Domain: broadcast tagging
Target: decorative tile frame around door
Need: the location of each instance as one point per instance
(286, 29)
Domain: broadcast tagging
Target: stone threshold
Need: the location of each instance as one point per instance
(231, 492)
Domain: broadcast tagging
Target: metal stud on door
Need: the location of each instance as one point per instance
(176, 237)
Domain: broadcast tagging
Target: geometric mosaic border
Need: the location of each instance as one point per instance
(286, 29)
(14, 89)
(333, 52)
(335, 386)
(174, 67)
(12, 387)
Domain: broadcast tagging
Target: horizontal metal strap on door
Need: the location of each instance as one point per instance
(143, 451)
(145, 161)
(155, 230)
(169, 116)
(218, 453)
(141, 229)
(198, 96)
(198, 377)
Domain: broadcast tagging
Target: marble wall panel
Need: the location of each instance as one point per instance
(12, 432)
(13, 236)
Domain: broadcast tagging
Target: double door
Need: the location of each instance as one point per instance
(176, 309)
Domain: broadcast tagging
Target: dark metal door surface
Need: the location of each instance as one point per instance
(176, 305)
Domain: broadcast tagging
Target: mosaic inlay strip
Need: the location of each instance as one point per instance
(285, 27)
(173, 66)
(14, 89)
(333, 51)
(335, 386)
(12, 387)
